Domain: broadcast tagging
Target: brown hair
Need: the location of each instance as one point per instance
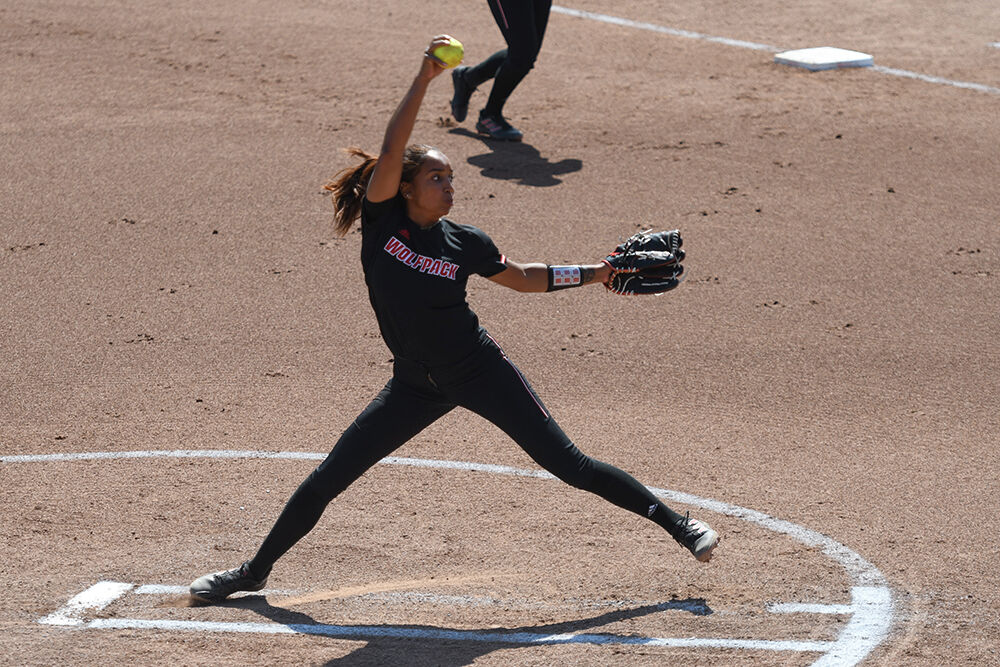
(349, 185)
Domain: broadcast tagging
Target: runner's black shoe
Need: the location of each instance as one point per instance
(463, 91)
(698, 537)
(218, 586)
(497, 127)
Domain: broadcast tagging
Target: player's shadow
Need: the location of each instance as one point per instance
(518, 161)
(445, 647)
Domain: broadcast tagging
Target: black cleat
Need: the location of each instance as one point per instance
(698, 537)
(463, 91)
(497, 127)
(218, 586)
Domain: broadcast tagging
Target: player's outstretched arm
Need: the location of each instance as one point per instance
(384, 183)
(536, 277)
(646, 263)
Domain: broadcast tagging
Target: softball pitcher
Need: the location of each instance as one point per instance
(416, 264)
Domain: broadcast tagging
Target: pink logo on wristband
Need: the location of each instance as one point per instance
(564, 276)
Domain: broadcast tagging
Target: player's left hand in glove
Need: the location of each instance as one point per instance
(646, 263)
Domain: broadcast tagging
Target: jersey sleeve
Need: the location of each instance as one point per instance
(372, 213)
(487, 260)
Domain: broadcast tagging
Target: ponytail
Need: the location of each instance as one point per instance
(348, 187)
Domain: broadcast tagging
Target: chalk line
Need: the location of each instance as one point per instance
(95, 598)
(531, 638)
(871, 604)
(738, 43)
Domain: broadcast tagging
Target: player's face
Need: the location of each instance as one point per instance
(432, 192)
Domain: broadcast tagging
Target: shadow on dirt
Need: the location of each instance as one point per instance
(519, 162)
(446, 647)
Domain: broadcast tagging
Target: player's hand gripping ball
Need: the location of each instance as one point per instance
(450, 54)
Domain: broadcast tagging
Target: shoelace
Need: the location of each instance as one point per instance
(233, 575)
(686, 528)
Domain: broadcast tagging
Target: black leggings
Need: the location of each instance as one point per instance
(522, 23)
(487, 384)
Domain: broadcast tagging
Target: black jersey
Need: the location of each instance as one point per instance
(416, 281)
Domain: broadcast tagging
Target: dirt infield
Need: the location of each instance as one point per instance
(183, 337)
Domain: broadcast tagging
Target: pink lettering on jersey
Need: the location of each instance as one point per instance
(393, 245)
(435, 267)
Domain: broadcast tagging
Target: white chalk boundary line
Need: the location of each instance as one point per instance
(101, 594)
(871, 606)
(95, 598)
(688, 34)
(376, 631)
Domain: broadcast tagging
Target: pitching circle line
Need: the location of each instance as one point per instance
(871, 604)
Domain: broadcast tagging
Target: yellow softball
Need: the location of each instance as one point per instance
(451, 53)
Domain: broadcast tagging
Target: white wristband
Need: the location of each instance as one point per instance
(561, 277)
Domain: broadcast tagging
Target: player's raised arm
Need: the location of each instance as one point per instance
(385, 178)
